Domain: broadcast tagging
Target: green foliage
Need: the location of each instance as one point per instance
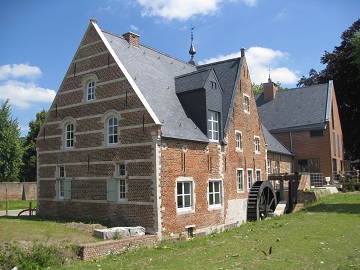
(28, 170)
(10, 145)
(39, 257)
(343, 67)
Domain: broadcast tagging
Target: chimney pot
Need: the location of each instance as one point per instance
(242, 52)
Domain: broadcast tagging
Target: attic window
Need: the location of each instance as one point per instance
(213, 126)
(246, 104)
(91, 91)
(213, 85)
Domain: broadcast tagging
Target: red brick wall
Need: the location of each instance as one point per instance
(18, 191)
(224, 162)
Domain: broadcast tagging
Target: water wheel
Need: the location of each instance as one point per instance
(262, 201)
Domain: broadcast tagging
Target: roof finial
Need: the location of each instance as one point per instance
(269, 80)
(192, 51)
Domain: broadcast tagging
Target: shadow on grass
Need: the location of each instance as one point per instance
(335, 208)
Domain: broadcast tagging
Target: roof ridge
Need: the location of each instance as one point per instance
(194, 72)
(218, 62)
(308, 86)
(150, 48)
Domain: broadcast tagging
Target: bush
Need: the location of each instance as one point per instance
(39, 257)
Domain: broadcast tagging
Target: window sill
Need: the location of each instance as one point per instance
(239, 150)
(215, 207)
(240, 191)
(181, 211)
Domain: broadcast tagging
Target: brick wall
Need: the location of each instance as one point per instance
(105, 248)
(91, 162)
(18, 191)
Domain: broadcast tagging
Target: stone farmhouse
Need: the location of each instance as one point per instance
(137, 137)
(306, 121)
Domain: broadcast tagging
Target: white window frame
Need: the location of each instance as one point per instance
(257, 144)
(238, 139)
(268, 163)
(240, 180)
(213, 124)
(90, 91)
(112, 131)
(69, 135)
(120, 176)
(212, 195)
(250, 178)
(258, 174)
(63, 184)
(183, 181)
(246, 104)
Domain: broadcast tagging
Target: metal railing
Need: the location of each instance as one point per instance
(317, 179)
(346, 176)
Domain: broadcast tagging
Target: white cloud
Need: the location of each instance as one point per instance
(259, 60)
(134, 28)
(181, 10)
(23, 94)
(19, 70)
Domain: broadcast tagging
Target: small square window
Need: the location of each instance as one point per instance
(184, 195)
(213, 85)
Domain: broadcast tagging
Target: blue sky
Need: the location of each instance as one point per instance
(39, 38)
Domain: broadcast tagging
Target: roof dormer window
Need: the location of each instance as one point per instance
(213, 85)
(213, 126)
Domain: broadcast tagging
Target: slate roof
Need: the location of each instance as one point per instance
(154, 73)
(273, 144)
(191, 81)
(304, 108)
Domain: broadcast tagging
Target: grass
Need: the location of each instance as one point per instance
(325, 235)
(33, 229)
(17, 204)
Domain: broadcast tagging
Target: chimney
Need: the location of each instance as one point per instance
(270, 89)
(242, 52)
(132, 38)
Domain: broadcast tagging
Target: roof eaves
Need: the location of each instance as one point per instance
(126, 73)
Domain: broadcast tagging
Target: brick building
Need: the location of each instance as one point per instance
(306, 120)
(137, 137)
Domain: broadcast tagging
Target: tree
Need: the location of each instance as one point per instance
(10, 145)
(28, 170)
(311, 80)
(343, 67)
(259, 88)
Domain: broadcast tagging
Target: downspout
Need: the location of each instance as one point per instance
(291, 149)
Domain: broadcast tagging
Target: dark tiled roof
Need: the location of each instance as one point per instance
(227, 73)
(297, 109)
(154, 73)
(191, 81)
(273, 144)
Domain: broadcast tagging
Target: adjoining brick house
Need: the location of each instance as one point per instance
(137, 137)
(306, 121)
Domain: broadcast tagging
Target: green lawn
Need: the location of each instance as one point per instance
(19, 204)
(325, 235)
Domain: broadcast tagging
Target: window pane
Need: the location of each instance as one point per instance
(186, 188)
(180, 201)
(179, 188)
(211, 187)
(217, 186)
(211, 199)
(187, 200)
(217, 198)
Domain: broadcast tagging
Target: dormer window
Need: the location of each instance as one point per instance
(91, 91)
(213, 126)
(213, 85)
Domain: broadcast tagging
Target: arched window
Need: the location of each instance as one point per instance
(90, 91)
(112, 130)
(69, 136)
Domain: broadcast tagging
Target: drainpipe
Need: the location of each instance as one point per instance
(291, 149)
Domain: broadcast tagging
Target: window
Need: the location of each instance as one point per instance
(238, 141)
(269, 166)
(246, 104)
(316, 133)
(250, 178)
(90, 91)
(338, 144)
(120, 173)
(257, 144)
(258, 175)
(277, 167)
(215, 192)
(213, 85)
(63, 184)
(120, 170)
(213, 126)
(112, 130)
(69, 136)
(184, 195)
(240, 179)
(334, 142)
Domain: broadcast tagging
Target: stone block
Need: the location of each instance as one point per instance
(119, 232)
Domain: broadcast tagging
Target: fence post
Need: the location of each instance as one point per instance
(30, 211)
(6, 204)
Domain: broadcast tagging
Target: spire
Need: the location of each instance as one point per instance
(192, 48)
(269, 80)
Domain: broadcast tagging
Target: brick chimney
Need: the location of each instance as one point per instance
(270, 89)
(132, 38)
